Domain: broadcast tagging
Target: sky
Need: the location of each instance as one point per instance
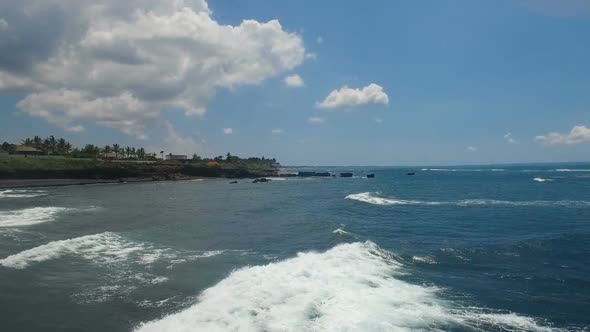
(306, 82)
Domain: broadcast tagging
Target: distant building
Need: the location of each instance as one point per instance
(27, 150)
(109, 155)
(176, 157)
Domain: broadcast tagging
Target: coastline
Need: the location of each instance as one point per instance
(7, 184)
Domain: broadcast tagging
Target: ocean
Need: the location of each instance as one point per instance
(501, 248)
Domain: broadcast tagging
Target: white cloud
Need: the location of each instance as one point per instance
(378, 120)
(294, 81)
(509, 139)
(315, 120)
(471, 149)
(320, 40)
(3, 24)
(311, 56)
(177, 144)
(277, 131)
(121, 63)
(348, 98)
(578, 134)
(228, 131)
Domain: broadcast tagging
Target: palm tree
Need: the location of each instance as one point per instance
(162, 154)
(27, 142)
(61, 146)
(116, 150)
(141, 153)
(133, 152)
(128, 152)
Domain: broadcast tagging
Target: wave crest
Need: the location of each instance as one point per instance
(378, 199)
(351, 287)
(27, 217)
(21, 193)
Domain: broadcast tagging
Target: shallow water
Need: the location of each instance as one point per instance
(464, 249)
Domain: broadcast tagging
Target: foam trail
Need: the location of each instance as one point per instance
(31, 216)
(340, 231)
(21, 193)
(542, 179)
(103, 248)
(374, 198)
(377, 199)
(351, 287)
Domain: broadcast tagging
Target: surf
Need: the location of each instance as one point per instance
(351, 287)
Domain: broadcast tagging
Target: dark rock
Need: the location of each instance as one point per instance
(287, 175)
(233, 182)
(345, 175)
(261, 180)
(370, 176)
(411, 173)
(310, 174)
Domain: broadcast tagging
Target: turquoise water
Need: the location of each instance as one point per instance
(458, 248)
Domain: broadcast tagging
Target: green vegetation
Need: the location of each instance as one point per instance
(61, 160)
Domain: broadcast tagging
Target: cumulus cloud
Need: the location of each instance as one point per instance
(347, 97)
(471, 149)
(311, 56)
(121, 63)
(294, 81)
(277, 131)
(177, 144)
(578, 134)
(315, 120)
(509, 139)
(228, 131)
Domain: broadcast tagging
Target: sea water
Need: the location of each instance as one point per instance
(451, 248)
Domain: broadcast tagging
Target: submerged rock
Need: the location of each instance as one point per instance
(345, 175)
(370, 176)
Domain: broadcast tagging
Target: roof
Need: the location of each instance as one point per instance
(24, 148)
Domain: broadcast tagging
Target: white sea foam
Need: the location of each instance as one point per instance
(542, 179)
(351, 287)
(21, 193)
(375, 198)
(572, 170)
(378, 199)
(277, 179)
(340, 231)
(104, 248)
(424, 260)
(31, 216)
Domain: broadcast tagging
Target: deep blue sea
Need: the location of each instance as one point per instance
(500, 248)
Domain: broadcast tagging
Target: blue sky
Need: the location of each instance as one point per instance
(459, 82)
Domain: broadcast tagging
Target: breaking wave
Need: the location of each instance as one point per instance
(542, 179)
(351, 287)
(31, 216)
(340, 231)
(378, 199)
(21, 193)
(104, 248)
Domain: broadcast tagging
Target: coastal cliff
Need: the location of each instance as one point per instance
(31, 168)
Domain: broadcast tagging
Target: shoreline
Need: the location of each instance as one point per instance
(7, 184)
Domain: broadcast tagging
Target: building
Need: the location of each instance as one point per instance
(27, 151)
(176, 157)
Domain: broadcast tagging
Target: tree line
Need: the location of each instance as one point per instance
(53, 146)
